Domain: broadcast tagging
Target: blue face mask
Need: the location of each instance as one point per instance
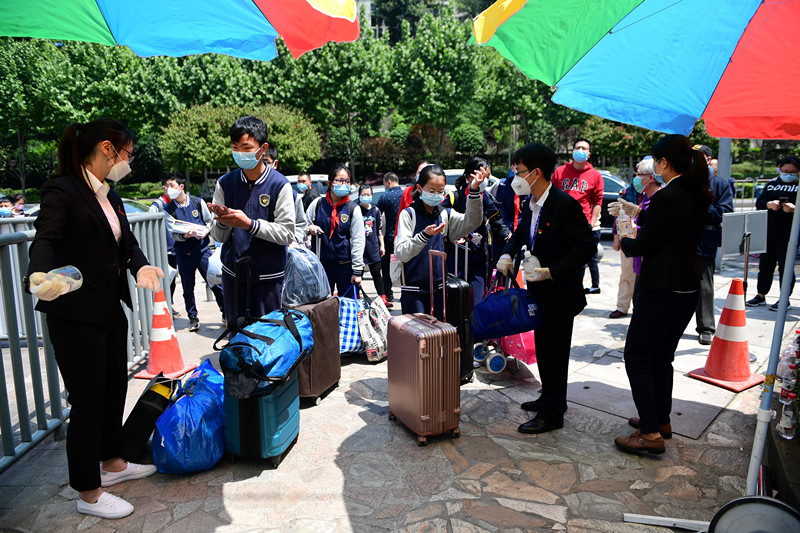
(245, 160)
(341, 190)
(432, 198)
(637, 184)
(366, 200)
(788, 178)
(302, 187)
(659, 178)
(5, 212)
(579, 156)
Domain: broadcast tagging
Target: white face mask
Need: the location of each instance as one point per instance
(173, 193)
(520, 186)
(119, 170)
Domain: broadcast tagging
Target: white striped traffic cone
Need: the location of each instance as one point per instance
(165, 353)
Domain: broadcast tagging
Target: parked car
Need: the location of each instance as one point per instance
(318, 181)
(452, 174)
(132, 207)
(612, 186)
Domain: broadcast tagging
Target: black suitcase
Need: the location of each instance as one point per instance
(458, 308)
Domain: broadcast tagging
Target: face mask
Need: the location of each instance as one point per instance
(5, 212)
(637, 184)
(432, 198)
(659, 178)
(341, 190)
(366, 200)
(246, 160)
(579, 156)
(173, 193)
(789, 178)
(302, 187)
(119, 170)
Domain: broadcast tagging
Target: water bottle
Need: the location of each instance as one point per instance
(624, 223)
(68, 275)
(788, 384)
(529, 265)
(780, 374)
(787, 424)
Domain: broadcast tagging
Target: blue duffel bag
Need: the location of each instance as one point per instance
(505, 312)
(190, 434)
(265, 352)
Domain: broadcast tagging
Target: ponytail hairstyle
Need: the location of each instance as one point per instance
(79, 141)
(335, 170)
(425, 175)
(686, 161)
(476, 163)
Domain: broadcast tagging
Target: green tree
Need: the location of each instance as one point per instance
(437, 73)
(393, 13)
(473, 8)
(36, 101)
(469, 139)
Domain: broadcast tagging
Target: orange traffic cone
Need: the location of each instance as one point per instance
(165, 354)
(728, 363)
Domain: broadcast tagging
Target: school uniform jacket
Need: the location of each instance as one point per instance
(347, 244)
(72, 229)
(563, 243)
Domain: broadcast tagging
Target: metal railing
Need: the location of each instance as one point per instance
(23, 328)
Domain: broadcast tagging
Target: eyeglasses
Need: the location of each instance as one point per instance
(131, 156)
(340, 181)
(518, 173)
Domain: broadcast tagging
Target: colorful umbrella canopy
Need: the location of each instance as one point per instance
(660, 64)
(241, 28)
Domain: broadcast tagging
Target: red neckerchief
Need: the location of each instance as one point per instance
(516, 211)
(335, 213)
(166, 198)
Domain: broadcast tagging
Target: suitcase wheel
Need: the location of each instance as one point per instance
(392, 417)
(455, 433)
(480, 353)
(421, 441)
(496, 363)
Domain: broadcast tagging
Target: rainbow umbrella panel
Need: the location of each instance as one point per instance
(240, 28)
(660, 64)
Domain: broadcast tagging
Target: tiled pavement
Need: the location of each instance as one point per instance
(354, 470)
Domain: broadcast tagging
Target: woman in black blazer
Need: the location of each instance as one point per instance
(669, 284)
(83, 223)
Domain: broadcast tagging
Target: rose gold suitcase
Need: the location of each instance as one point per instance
(424, 367)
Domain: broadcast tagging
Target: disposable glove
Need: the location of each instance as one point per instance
(47, 290)
(505, 264)
(539, 274)
(623, 206)
(148, 277)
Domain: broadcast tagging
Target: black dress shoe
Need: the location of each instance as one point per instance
(535, 405)
(539, 425)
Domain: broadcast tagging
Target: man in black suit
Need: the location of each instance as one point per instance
(555, 229)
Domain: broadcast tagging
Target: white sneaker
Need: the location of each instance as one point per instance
(132, 471)
(106, 506)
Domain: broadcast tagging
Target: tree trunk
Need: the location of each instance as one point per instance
(440, 149)
(21, 163)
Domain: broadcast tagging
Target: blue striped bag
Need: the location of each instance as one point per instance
(349, 335)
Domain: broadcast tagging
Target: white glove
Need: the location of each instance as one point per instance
(539, 274)
(47, 290)
(148, 277)
(623, 205)
(505, 264)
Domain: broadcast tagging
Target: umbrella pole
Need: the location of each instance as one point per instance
(765, 409)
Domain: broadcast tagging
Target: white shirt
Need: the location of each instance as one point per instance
(536, 209)
(101, 193)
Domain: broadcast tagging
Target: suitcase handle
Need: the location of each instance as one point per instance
(443, 256)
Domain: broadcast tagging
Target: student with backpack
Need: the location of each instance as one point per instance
(423, 226)
(338, 232)
(374, 247)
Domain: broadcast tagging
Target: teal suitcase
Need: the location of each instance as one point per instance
(264, 427)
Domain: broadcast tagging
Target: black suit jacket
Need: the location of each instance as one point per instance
(564, 243)
(72, 229)
(670, 230)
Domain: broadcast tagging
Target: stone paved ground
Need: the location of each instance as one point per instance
(354, 470)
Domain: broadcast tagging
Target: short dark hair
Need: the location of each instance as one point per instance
(536, 155)
(426, 174)
(335, 170)
(179, 178)
(391, 177)
(304, 174)
(363, 187)
(272, 151)
(579, 139)
(252, 126)
(19, 196)
(789, 160)
(79, 141)
(475, 163)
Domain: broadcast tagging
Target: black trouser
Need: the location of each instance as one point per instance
(420, 302)
(340, 278)
(377, 279)
(388, 244)
(659, 319)
(189, 262)
(704, 314)
(594, 270)
(92, 359)
(553, 341)
(776, 253)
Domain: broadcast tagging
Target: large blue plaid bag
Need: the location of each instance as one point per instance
(349, 335)
(265, 352)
